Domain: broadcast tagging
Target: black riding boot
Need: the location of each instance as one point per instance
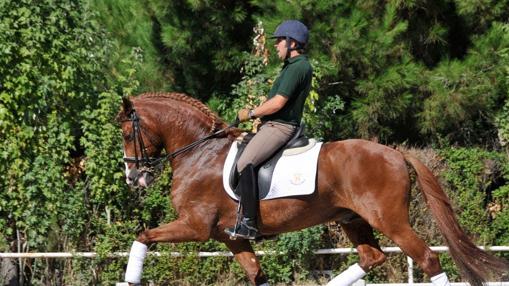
(246, 227)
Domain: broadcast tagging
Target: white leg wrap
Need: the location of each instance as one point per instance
(348, 277)
(135, 264)
(440, 280)
(264, 284)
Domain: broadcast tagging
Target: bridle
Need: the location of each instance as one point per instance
(152, 164)
(139, 146)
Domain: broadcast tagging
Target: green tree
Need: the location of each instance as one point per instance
(466, 95)
(132, 26)
(203, 42)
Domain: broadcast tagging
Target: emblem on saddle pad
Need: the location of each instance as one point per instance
(297, 179)
(290, 172)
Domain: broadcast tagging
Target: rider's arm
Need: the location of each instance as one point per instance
(270, 106)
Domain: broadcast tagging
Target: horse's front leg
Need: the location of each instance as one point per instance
(181, 230)
(246, 257)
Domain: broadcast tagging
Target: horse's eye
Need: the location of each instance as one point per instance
(128, 136)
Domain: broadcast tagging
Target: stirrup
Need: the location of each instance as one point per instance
(242, 231)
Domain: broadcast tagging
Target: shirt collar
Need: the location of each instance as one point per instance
(294, 59)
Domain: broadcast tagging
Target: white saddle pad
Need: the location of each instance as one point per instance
(294, 174)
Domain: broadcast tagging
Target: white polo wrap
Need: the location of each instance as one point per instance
(348, 277)
(135, 264)
(440, 280)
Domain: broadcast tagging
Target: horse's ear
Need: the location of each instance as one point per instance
(127, 105)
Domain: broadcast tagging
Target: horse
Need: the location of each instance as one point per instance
(361, 185)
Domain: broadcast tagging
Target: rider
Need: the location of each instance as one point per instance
(280, 115)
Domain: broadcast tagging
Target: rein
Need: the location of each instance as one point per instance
(149, 163)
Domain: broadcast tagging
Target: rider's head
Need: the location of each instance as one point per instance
(295, 33)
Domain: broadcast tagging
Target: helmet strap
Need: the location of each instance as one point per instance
(289, 48)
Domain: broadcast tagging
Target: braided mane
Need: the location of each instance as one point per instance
(181, 97)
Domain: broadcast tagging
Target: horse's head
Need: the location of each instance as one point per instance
(142, 145)
(152, 121)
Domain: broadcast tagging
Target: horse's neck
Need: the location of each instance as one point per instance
(203, 163)
(183, 126)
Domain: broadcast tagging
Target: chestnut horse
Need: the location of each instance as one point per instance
(361, 185)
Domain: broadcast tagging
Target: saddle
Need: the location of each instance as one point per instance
(298, 143)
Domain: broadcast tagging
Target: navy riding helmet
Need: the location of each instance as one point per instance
(295, 30)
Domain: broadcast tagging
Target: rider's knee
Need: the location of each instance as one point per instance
(242, 164)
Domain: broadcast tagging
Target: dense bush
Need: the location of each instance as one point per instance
(52, 71)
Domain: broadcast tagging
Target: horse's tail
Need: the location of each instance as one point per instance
(474, 264)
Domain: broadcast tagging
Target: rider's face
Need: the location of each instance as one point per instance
(281, 49)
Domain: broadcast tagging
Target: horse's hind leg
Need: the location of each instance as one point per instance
(404, 236)
(361, 235)
(396, 227)
(246, 257)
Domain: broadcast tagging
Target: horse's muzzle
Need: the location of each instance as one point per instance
(141, 179)
(132, 177)
(145, 179)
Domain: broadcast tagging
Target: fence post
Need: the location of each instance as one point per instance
(410, 263)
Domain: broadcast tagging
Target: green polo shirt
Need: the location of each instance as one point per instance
(294, 83)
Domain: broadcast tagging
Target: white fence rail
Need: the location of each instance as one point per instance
(363, 283)
(410, 268)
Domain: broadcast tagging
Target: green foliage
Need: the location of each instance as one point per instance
(474, 176)
(320, 112)
(502, 119)
(503, 124)
(61, 149)
(49, 63)
(291, 261)
(132, 26)
(466, 94)
(203, 42)
(480, 14)
(388, 98)
(389, 71)
(249, 91)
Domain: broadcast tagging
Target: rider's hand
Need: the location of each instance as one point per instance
(243, 115)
